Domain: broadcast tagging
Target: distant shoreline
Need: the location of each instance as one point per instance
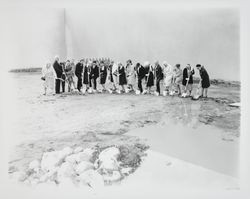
(196, 80)
(25, 70)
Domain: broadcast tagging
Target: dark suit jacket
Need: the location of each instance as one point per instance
(158, 72)
(79, 69)
(185, 75)
(58, 69)
(141, 72)
(94, 72)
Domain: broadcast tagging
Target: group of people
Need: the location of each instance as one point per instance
(87, 73)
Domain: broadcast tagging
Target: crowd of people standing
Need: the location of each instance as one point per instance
(87, 73)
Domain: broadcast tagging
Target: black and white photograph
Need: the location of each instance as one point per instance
(124, 99)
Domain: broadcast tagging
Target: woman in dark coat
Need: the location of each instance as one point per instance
(122, 76)
(187, 80)
(86, 71)
(149, 77)
(111, 78)
(140, 72)
(205, 81)
(158, 77)
(94, 73)
(78, 73)
(103, 75)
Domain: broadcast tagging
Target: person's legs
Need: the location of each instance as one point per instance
(202, 91)
(139, 85)
(45, 90)
(131, 87)
(158, 86)
(79, 83)
(122, 88)
(63, 83)
(103, 87)
(57, 86)
(69, 85)
(205, 92)
(94, 83)
(190, 88)
(179, 89)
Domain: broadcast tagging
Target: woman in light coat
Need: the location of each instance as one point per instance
(177, 79)
(49, 76)
(168, 77)
(131, 75)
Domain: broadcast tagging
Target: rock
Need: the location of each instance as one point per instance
(49, 176)
(109, 153)
(34, 165)
(108, 165)
(92, 178)
(89, 151)
(78, 149)
(66, 182)
(67, 151)
(66, 170)
(126, 171)
(34, 182)
(18, 176)
(50, 160)
(73, 159)
(83, 166)
(112, 177)
(83, 156)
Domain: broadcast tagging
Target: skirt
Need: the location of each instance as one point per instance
(150, 80)
(103, 78)
(168, 80)
(85, 78)
(131, 79)
(122, 79)
(205, 83)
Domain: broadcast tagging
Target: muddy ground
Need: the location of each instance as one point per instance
(45, 123)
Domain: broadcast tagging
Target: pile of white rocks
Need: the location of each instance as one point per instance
(76, 167)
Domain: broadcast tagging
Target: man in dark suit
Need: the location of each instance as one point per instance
(158, 76)
(78, 73)
(59, 71)
(63, 76)
(94, 74)
(140, 74)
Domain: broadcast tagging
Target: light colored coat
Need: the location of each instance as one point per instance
(131, 75)
(168, 75)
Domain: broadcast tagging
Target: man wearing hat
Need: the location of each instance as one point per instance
(78, 73)
(59, 71)
(140, 74)
(94, 73)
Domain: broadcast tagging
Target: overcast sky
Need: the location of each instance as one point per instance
(33, 36)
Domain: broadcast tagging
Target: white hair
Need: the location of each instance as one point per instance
(146, 63)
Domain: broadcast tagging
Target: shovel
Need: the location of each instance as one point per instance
(197, 95)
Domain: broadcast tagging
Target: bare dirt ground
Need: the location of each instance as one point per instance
(45, 123)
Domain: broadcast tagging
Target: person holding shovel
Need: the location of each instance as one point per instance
(122, 76)
(140, 73)
(177, 78)
(131, 76)
(168, 77)
(103, 75)
(149, 77)
(205, 81)
(94, 74)
(78, 73)
(187, 81)
(158, 77)
(59, 72)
